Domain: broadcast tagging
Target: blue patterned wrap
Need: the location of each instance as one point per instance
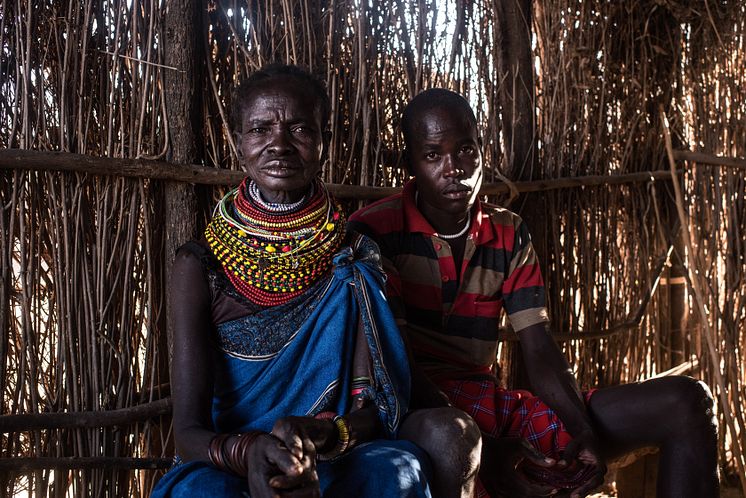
(296, 358)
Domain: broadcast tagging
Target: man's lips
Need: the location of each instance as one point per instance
(457, 191)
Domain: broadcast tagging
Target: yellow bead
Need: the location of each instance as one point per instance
(329, 227)
(271, 249)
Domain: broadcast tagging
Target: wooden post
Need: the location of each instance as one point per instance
(517, 102)
(182, 51)
(183, 107)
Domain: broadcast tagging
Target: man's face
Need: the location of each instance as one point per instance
(281, 144)
(446, 158)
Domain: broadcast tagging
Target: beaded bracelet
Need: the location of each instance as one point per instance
(343, 438)
(235, 460)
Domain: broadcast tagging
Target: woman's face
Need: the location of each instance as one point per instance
(281, 143)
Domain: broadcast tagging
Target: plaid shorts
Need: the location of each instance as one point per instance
(504, 413)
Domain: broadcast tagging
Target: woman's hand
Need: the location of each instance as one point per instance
(303, 433)
(276, 471)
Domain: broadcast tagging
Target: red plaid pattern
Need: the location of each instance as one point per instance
(504, 413)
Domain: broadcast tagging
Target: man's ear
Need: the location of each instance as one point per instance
(405, 160)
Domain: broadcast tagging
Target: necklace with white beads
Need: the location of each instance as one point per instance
(454, 235)
(275, 207)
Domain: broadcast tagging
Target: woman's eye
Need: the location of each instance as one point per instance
(257, 130)
(467, 150)
(431, 155)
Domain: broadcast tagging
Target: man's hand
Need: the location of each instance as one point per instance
(276, 471)
(585, 450)
(499, 470)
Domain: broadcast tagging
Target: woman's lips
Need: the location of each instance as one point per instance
(280, 169)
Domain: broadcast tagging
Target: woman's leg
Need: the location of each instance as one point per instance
(673, 413)
(453, 442)
(379, 469)
(199, 480)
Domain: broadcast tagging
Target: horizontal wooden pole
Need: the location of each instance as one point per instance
(84, 420)
(703, 158)
(110, 166)
(160, 170)
(577, 181)
(21, 465)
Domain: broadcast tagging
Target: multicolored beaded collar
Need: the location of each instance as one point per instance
(272, 255)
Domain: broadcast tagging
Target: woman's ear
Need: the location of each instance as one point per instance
(326, 140)
(237, 139)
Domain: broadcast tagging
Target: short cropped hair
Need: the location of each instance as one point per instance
(245, 90)
(432, 99)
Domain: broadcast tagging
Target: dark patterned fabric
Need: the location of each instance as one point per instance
(515, 413)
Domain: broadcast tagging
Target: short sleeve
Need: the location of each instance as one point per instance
(523, 290)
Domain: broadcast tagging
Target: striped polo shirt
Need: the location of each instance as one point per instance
(452, 325)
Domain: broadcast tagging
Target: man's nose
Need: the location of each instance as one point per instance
(450, 167)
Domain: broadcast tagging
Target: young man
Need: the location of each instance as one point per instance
(453, 264)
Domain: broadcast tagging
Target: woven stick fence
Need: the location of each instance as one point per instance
(82, 298)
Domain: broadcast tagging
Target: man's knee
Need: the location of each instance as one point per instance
(443, 429)
(694, 402)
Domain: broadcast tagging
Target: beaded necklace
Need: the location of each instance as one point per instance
(452, 235)
(275, 207)
(270, 254)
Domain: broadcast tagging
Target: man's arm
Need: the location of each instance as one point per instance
(553, 381)
(551, 378)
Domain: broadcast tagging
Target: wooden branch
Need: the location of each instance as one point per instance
(77, 420)
(21, 465)
(161, 170)
(702, 158)
(135, 168)
(578, 181)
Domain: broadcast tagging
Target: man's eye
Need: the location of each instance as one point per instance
(299, 129)
(258, 130)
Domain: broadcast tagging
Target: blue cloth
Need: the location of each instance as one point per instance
(379, 469)
(297, 359)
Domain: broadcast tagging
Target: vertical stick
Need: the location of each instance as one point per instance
(699, 299)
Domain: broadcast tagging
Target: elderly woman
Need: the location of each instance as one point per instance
(289, 374)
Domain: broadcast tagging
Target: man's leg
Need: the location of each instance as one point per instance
(673, 413)
(453, 442)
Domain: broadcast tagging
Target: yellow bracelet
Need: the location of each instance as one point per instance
(343, 428)
(343, 439)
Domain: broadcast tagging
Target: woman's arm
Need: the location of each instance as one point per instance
(269, 462)
(191, 372)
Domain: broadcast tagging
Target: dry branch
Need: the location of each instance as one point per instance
(80, 420)
(21, 465)
(160, 170)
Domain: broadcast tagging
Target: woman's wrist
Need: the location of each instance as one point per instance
(230, 452)
(340, 436)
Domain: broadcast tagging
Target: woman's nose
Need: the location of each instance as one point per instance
(279, 141)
